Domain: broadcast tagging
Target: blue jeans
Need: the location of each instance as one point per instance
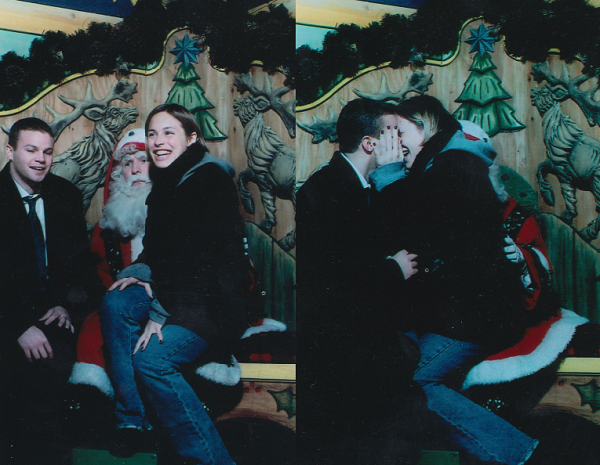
(156, 369)
(476, 430)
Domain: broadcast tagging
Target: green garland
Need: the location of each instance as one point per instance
(530, 28)
(235, 38)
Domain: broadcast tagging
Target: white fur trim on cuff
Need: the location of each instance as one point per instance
(92, 375)
(228, 375)
(501, 371)
(267, 325)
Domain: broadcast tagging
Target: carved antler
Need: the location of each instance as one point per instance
(571, 88)
(418, 81)
(285, 110)
(322, 129)
(121, 90)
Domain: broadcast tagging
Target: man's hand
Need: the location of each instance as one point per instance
(34, 343)
(152, 327)
(123, 283)
(388, 149)
(61, 314)
(407, 263)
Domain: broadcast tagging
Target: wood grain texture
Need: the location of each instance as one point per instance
(563, 397)
(153, 90)
(576, 267)
(521, 151)
(257, 402)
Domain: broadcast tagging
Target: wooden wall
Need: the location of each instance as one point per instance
(152, 89)
(521, 151)
(278, 267)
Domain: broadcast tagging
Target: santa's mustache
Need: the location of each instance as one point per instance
(138, 177)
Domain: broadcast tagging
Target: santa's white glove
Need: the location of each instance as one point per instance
(512, 251)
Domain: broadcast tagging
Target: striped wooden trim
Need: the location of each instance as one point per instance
(332, 13)
(278, 372)
(580, 366)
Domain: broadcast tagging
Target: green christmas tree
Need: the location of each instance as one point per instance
(187, 92)
(483, 98)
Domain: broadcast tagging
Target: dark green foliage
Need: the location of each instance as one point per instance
(235, 39)
(15, 73)
(46, 56)
(530, 28)
(400, 44)
(310, 64)
(139, 37)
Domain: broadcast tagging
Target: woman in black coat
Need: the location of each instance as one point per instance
(187, 290)
(467, 300)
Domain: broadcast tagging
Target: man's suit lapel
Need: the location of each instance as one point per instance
(14, 219)
(12, 205)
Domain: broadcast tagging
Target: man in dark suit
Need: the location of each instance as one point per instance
(350, 357)
(46, 278)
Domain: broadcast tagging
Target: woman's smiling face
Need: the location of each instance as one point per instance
(412, 138)
(166, 139)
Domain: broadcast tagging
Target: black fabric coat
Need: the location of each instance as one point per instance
(448, 213)
(195, 250)
(31, 421)
(352, 370)
(70, 264)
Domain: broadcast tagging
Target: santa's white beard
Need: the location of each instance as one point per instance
(126, 210)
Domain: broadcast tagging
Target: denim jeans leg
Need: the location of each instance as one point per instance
(122, 316)
(178, 408)
(476, 430)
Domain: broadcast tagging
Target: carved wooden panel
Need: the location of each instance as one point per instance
(152, 89)
(521, 151)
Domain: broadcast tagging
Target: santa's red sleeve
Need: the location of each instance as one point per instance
(531, 243)
(97, 246)
(89, 366)
(543, 343)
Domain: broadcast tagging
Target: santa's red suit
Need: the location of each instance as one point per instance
(525, 232)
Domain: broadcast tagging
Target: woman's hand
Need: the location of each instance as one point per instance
(152, 327)
(123, 283)
(407, 263)
(388, 149)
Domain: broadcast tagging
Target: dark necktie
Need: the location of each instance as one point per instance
(38, 235)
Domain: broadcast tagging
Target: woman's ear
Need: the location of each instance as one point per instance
(193, 137)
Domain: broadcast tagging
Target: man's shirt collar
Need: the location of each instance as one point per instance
(362, 179)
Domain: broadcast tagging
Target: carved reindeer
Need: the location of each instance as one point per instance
(271, 163)
(418, 81)
(86, 161)
(573, 157)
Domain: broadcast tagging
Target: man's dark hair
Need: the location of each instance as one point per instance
(184, 116)
(27, 124)
(360, 118)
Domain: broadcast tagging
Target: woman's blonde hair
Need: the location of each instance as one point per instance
(428, 114)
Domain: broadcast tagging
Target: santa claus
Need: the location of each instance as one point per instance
(117, 242)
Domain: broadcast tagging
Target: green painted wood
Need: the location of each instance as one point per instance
(102, 457)
(435, 457)
(284, 289)
(276, 270)
(576, 263)
(576, 267)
